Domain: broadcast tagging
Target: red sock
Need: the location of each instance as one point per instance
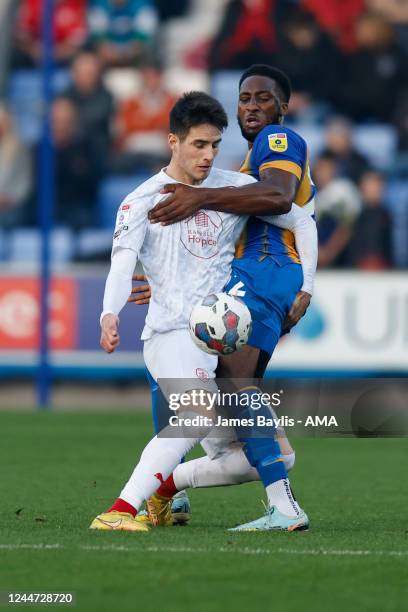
(121, 505)
(167, 488)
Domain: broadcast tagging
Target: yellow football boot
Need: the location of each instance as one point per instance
(117, 521)
(159, 510)
(143, 517)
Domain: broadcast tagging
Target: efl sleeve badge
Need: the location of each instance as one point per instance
(278, 142)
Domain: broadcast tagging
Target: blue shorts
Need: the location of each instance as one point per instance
(268, 289)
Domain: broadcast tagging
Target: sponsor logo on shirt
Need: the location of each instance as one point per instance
(278, 142)
(200, 233)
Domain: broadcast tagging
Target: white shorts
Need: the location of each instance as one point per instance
(173, 355)
(179, 365)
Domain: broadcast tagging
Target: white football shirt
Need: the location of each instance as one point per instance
(186, 261)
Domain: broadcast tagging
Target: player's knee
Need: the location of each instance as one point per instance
(242, 471)
(235, 467)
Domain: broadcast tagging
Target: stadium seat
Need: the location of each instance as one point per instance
(178, 80)
(224, 87)
(25, 245)
(25, 99)
(111, 193)
(93, 243)
(377, 142)
(396, 198)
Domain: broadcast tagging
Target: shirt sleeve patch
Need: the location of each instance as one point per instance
(278, 142)
(123, 215)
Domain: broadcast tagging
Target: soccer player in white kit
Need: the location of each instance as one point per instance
(182, 264)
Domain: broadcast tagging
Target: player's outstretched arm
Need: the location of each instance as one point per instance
(117, 290)
(273, 195)
(304, 229)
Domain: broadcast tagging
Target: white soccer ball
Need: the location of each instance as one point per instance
(220, 324)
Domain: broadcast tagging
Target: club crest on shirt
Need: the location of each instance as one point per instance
(278, 142)
(199, 234)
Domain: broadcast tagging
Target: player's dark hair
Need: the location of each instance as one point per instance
(277, 75)
(195, 108)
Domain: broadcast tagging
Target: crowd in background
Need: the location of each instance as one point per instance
(123, 63)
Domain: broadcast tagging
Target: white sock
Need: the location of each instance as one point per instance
(280, 495)
(230, 468)
(157, 462)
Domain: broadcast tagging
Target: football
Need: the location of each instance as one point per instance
(220, 324)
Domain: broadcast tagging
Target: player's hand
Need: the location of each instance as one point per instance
(182, 203)
(141, 294)
(109, 334)
(297, 311)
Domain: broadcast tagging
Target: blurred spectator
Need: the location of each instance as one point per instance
(338, 17)
(122, 30)
(15, 173)
(169, 10)
(93, 101)
(375, 72)
(77, 168)
(142, 124)
(338, 205)
(350, 163)
(247, 35)
(370, 247)
(8, 9)
(401, 119)
(306, 54)
(70, 31)
(395, 12)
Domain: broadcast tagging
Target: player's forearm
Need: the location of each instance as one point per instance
(261, 198)
(119, 282)
(307, 247)
(305, 231)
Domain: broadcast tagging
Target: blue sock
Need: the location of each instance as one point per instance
(260, 445)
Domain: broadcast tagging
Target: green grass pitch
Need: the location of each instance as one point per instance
(61, 469)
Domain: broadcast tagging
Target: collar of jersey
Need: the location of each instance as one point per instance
(166, 178)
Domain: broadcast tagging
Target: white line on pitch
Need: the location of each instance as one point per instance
(30, 546)
(242, 551)
(250, 551)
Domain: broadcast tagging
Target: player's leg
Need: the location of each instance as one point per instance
(180, 506)
(167, 356)
(158, 460)
(268, 290)
(229, 468)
